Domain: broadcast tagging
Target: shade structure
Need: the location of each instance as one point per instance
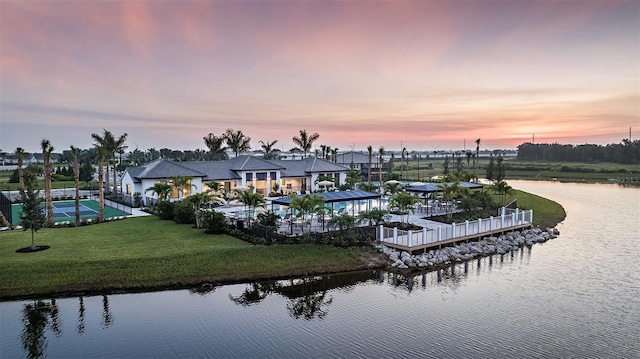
(416, 184)
(332, 197)
(433, 187)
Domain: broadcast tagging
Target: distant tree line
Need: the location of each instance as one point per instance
(627, 152)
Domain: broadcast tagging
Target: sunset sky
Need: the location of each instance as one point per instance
(429, 74)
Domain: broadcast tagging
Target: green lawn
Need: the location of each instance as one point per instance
(146, 252)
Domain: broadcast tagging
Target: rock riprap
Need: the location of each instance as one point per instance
(462, 252)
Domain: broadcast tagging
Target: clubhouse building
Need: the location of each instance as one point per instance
(242, 172)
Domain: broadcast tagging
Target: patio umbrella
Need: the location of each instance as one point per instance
(416, 184)
(392, 182)
(325, 183)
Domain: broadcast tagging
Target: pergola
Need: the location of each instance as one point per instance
(433, 187)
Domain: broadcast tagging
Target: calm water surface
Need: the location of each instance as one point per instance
(574, 296)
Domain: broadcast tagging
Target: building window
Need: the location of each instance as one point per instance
(261, 176)
(128, 188)
(272, 175)
(187, 189)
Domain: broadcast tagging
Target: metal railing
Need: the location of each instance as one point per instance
(507, 219)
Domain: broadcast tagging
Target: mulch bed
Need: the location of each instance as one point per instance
(32, 250)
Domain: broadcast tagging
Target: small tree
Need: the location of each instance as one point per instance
(32, 216)
(403, 202)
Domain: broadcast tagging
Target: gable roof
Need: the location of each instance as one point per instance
(162, 168)
(301, 168)
(214, 170)
(356, 157)
(251, 163)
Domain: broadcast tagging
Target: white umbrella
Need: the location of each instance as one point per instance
(235, 202)
(392, 182)
(416, 184)
(240, 188)
(325, 183)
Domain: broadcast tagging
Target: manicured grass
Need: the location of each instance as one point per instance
(546, 213)
(146, 252)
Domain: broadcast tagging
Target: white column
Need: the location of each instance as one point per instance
(453, 227)
(424, 235)
(409, 238)
(439, 233)
(479, 225)
(491, 223)
(381, 233)
(466, 227)
(395, 235)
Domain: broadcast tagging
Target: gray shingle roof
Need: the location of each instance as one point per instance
(301, 168)
(214, 170)
(162, 168)
(251, 163)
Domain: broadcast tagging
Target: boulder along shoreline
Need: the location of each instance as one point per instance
(462, 252)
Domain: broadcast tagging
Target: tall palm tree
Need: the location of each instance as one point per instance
(268, 149)
(216, 147)
(48, 174)
(106, 141)
(118, 147)
(370, 150)
(449, 192)
(402, 159)
(20, 154)
(75, 152)
(305, 141)
(477, 155)
(381, 160)
(102, 155)
(236, 141)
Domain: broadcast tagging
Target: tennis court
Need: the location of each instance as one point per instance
(66, 211)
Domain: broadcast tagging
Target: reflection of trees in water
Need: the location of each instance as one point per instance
(307, 297)
(80, 326)
(203, 289)
(254, 293)
(36, 317)
(107, 317)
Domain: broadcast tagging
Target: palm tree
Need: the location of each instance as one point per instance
(449, 192)
(199, 200)
(402, 159)
(161, 189)
(216, 147)
(268, 149)
(403, 202)
(102, 155)
(216, 188)
(106, 141)
(502, 188)
(477, 154)
(251, 200)
(236, 141)
(334, 155)
(373, 216)
(304, 141)
(75, 152)
(342, 222)
(381, 159)
(370, 150)
(48, 174)
(353, 176)
(20, 154)
(180, 183)
(117, 147)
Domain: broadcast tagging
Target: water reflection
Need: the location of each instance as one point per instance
(36, 317)
(307, 297)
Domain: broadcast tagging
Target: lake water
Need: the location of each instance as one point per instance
(574, 296)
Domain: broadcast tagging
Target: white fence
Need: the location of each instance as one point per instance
(508, 218)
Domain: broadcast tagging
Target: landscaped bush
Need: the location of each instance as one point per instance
(215, 223)
(164, 210)
(183, 213)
